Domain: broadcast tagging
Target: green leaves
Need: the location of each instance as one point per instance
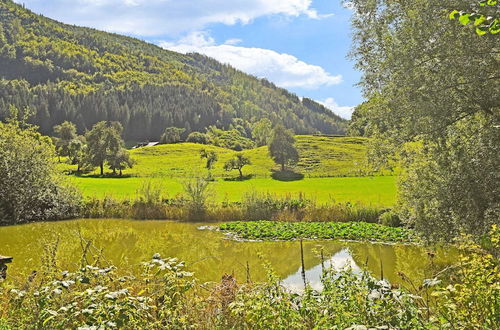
(483, 22)
(278, 230)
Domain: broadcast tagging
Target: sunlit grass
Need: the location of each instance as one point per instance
(334, 169)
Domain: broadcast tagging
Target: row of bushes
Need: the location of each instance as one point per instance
(197, 205)
(166, 296)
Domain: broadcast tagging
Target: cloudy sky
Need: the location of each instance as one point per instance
(300, 45)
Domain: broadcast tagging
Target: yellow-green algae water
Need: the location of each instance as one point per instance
(209, 254)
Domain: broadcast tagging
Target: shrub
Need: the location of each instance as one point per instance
(230, 139)
(197, 137)
(31, 187)
(197, 193)
(171, 135)
(390, 218)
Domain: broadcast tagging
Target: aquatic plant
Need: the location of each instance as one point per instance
(278, 230)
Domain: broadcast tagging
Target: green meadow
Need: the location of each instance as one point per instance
(330, 169)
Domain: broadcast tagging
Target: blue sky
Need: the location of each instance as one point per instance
(300, 45)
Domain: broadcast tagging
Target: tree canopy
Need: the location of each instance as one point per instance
(433, 102)
(282, 147)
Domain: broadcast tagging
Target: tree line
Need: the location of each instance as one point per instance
(66, 73)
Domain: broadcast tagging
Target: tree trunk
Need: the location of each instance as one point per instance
(120, 172)
(283, 167)
(102, 168)
(241, 173)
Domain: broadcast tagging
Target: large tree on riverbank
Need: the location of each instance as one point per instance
(433, 98)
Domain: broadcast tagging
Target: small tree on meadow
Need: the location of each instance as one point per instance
(282, 147)
(76, 152)
(65, 133)
(211, 158)
(237, 163)
(104, 142)
(120, 161)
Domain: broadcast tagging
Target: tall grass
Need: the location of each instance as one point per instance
(197, 204)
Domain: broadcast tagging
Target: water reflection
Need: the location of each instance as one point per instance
(339, 260)
(126, 243)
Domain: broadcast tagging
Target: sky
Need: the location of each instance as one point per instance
(300, 45)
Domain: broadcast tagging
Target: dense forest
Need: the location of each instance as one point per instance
(61, 72)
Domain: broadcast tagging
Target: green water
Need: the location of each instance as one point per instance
(126, 243)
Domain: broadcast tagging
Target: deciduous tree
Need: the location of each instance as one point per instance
(237, 163)
(282, 147)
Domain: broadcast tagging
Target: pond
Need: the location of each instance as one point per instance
(127, 243)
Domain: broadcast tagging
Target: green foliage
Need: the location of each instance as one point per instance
(237, 163)
(473, 300)
(31, 188)
(437, 118)
(485, 20)
(104, 144)
(77, 151)
(197, 137)
(198, 192)
(453, 189)
(120, 160)
(211, 158)
(390, 218)
(65, 133)
(282, 147)
(166, 295)
(261, 132)
(86, 76)
(278, 230)
(172, 135)
(229, 139)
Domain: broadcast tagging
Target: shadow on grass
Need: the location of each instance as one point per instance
(243, 178)
(287, 175)
(98, 176)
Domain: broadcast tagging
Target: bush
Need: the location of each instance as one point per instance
(197, 195)
(390, 218)
(171, 135)
(230, 139)
(197, 137)
(31, 187)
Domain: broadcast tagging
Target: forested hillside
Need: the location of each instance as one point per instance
(62, 72)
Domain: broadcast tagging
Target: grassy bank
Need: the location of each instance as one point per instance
(360, 231)
(252, 206)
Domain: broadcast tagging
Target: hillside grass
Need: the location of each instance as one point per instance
(330, 169)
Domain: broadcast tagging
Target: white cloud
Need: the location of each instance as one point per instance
(172, 17)
(233, 42)
(343, 111)
(282, 69)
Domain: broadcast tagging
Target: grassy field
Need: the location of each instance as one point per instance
(330, 168)
(379, 190)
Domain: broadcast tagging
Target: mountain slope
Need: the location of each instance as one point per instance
(64, 72)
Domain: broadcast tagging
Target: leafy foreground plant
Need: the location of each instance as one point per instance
(277, 230)
(166, 296)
